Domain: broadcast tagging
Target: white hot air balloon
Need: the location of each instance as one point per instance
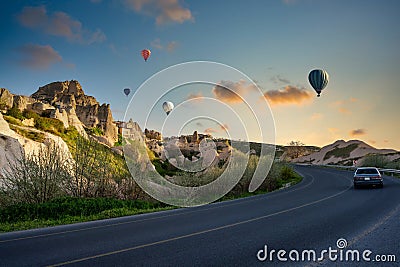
(168, 107)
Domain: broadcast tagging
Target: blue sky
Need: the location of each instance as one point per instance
(276, 43)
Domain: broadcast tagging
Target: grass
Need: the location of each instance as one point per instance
(12, 120)
(33, 135)
(106, 214)
(71, 210)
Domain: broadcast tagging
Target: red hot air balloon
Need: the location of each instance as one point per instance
(146, 54)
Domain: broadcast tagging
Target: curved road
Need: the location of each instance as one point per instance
(311, 215)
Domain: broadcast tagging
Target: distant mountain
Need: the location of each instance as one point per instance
(343, 153)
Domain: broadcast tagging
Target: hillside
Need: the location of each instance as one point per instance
(343, 153)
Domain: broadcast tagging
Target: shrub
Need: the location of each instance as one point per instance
(33, 135)
(15, 112)
(374, 160)
(49, 125)
(12, 120)
(95, 131)
(36, 177)
(30, 114)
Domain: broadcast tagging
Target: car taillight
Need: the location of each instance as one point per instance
(375, 177)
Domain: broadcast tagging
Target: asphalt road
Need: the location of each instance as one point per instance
(311, 215)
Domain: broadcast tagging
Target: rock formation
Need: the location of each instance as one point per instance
(80, 110)
(6, 99)
(152, 134)
(13, 145)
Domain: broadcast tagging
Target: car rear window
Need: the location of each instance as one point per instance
(367, 171)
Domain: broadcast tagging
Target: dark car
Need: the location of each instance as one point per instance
(367, 176)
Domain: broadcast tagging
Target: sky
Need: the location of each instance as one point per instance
(274, 43)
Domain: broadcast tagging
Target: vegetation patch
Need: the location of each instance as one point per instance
(12, 120)
(343, 152)
(69, 210)
(16, 113)
(30, 134)
(50, 125)
(379, 161)
(95, 131)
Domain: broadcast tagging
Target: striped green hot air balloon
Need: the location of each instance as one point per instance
(318, 80)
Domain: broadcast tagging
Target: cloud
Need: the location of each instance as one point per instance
(39, 56)
(288, 95)
(210, 130)
(316, 116)
(224, 127)
(169, 47)
(196, 96)
(341, 105)
(358, 132)
(279, 79)
(58, 24)
(164, 11)
(235, 91)
(344, 111)
(156, 43)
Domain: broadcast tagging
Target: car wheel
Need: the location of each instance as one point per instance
(356, 186)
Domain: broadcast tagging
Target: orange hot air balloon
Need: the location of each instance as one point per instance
(146, 54)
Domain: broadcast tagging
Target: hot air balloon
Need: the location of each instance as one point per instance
(168, 107)
(318, 80)
(146, 54)
(127, 91)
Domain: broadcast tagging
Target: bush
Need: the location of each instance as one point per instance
(12, 120)
(374, 160)
(30, 114)
(49, 125)
(36, 177)
(33, 135)
(16, 113)
(95, 131)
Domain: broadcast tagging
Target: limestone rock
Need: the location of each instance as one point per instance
(23, 102)
(195, 137)
(6, 99)
(13, 145)
(29, 122)
(152, 134)
(81, 110)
